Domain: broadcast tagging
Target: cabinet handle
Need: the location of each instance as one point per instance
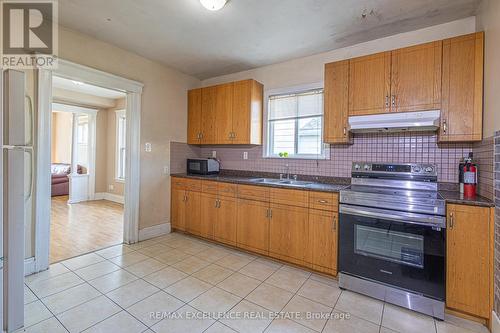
(219, 202)
(270, 213)
(451, 220)
(267, 213)
(387, 100)
(334, 223)
(393, 97)
(234, 135)
(445, 127)
(323, 201)
(345, 131)
(215, 203)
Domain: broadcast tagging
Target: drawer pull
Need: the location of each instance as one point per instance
(323, 201)
(334, 224)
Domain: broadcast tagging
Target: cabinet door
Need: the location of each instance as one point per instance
(224, 113)
(253, 226)
(225, 225)
(193, 211)
(208, 216)
(462, 106)
(336, 105)
(322, 245)
(468, 261)
(178, 209)
(194, 117)
(247, 112)
(416, 78)
(370, 84)
(208, 114)
(288, 233)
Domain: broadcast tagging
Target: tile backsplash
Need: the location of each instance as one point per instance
(411, 147)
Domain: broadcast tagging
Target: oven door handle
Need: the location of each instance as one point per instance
(402, 217)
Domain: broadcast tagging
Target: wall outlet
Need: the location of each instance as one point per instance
(245, 155)
(148, 147)
(111, 187)
(214, 154)
(165, 170)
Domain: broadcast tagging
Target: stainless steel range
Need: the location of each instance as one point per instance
(392, 236)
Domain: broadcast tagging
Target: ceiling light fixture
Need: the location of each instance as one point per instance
(213, 4)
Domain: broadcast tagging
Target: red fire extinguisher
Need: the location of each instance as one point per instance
(470, 178)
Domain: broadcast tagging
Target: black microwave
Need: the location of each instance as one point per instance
(203, 166)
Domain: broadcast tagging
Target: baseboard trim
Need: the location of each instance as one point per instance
(110, 197)
(29, 266)
(495, 323)
(154, 231)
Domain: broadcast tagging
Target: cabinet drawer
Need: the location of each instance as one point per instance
(324, 201)
(178, 183)
(227, 189)
(193, 185)
(209, 187)
(258, 193)
(296, 198)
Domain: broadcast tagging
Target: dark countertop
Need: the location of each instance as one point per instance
(314, 186)
(328, 185)
(454, 197)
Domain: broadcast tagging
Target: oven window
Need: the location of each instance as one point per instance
(402, 248)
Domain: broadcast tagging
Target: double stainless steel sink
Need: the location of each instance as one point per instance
(283, 182)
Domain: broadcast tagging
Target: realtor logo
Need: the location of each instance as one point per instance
(28, 33)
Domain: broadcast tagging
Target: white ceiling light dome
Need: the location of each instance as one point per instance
(213, 4)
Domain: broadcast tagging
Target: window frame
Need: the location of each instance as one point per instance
(267, 135)
(119, 114)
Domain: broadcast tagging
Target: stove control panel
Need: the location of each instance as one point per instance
(395, 168)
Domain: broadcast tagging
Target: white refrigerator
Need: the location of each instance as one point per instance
(16, 159)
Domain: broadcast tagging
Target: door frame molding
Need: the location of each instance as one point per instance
(133, 89)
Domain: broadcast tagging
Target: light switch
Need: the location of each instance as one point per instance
(111, 187)
(214, 154)
(245, 155)
(165, 170)
(148, 147)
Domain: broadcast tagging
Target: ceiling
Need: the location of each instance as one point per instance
(249, 33)
(84, 88)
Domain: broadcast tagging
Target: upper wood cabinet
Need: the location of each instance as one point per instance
(462, 106)
(370, 84)
(336, 103)
(469, 264)
(416, 78)
(229, 113)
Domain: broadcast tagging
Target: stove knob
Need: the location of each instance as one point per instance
(357, 167)
(367, 167)
(417, 169)
(429, 169)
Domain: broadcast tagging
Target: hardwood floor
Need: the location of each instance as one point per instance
(83, 227)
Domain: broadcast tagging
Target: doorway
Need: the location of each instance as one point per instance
(130, 154)
(88, 146)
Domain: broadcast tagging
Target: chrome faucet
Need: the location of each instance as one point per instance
(287, 171)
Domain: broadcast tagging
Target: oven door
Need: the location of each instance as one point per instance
(400, 249)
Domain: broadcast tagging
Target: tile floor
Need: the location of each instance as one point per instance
(176, 283)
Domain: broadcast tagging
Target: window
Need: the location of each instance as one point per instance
(82, 140)
(295, 125)
(121, 140)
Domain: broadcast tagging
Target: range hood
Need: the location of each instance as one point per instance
(396, 122)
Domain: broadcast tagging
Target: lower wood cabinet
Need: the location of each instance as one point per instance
(253, 226)
(469, 260)
(288, 232)
(193, 211)
(225, 224)
(321, 253)
(208, 216)
(178, 219)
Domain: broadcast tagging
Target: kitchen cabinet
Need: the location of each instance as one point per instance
(253, 226)
(370, 84)
(288, 232)
(194, 116)
(193, 211)
(208, 217)
(416, 78)
(462, 106)
(225, 114)
(178, 209)
(469, 263)
(225, 224)
(336, 103)
(321, 252)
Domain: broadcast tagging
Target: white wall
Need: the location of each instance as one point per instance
(310, 69)
(488, 20)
